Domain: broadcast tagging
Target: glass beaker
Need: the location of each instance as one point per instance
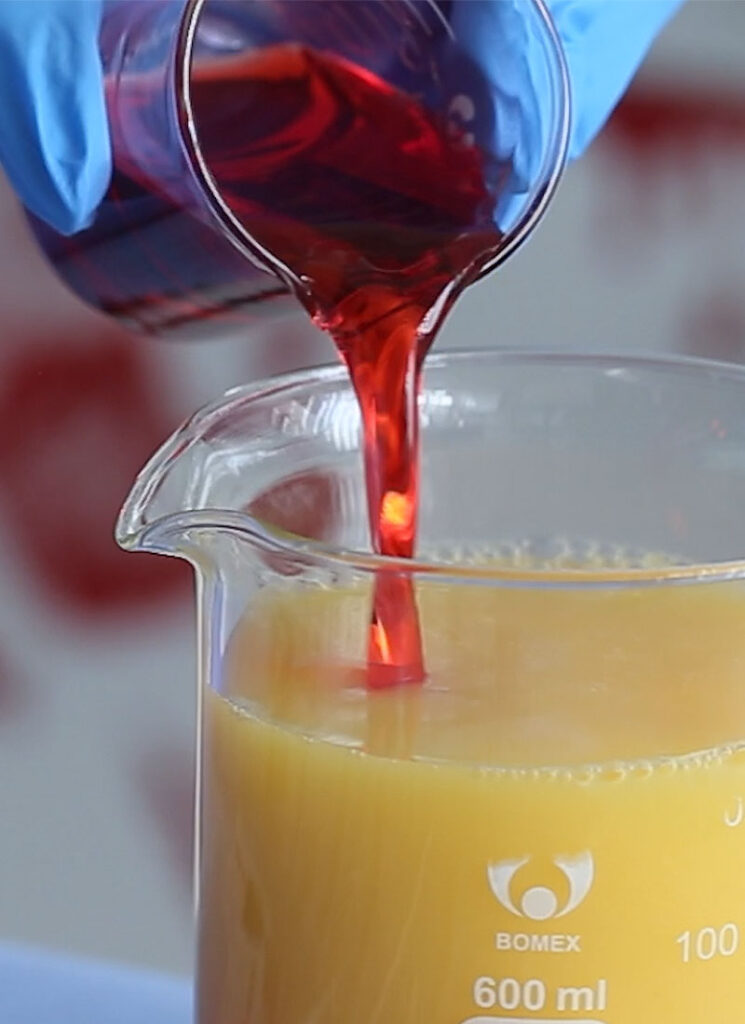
(552, 827)
(186, 236)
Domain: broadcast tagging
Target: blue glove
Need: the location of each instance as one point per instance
(604, 43)
(509, 97)
(53, 133)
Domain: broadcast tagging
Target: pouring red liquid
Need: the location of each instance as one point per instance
(374, 211)
(378, 214)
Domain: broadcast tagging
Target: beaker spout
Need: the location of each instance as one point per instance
(180, 496)
(251, 466)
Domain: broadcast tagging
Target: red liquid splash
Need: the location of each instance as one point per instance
(379, 215)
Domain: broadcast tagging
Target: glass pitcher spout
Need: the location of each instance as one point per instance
(254, 466)
(157, 516)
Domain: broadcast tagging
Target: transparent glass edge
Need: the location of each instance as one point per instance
(555, 159)
(135, 532)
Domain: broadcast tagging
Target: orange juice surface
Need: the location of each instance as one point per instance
(552, 828)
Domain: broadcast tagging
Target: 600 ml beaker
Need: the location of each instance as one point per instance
(552, 826)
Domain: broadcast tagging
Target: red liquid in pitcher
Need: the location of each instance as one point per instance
(377, 212)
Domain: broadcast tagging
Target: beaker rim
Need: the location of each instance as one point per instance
(133, 528)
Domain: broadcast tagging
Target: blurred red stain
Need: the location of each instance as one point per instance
(677, 153)
(663, 139)
(650, 120)
(307, 504)
(77, 422)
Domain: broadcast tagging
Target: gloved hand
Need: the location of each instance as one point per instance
(54, 144)
(604, 43)
(603, 40)
(53, 134)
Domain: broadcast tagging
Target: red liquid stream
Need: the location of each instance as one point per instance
(377, 214)
(380, 214)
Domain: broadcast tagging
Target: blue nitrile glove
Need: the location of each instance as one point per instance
(504, 77)
(54, 143)
(604, 43)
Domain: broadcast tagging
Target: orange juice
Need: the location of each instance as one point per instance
(551, 829)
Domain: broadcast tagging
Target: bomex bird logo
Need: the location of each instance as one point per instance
(539, 903)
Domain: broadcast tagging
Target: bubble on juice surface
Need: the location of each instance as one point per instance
(512, 686)
(551, 553)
